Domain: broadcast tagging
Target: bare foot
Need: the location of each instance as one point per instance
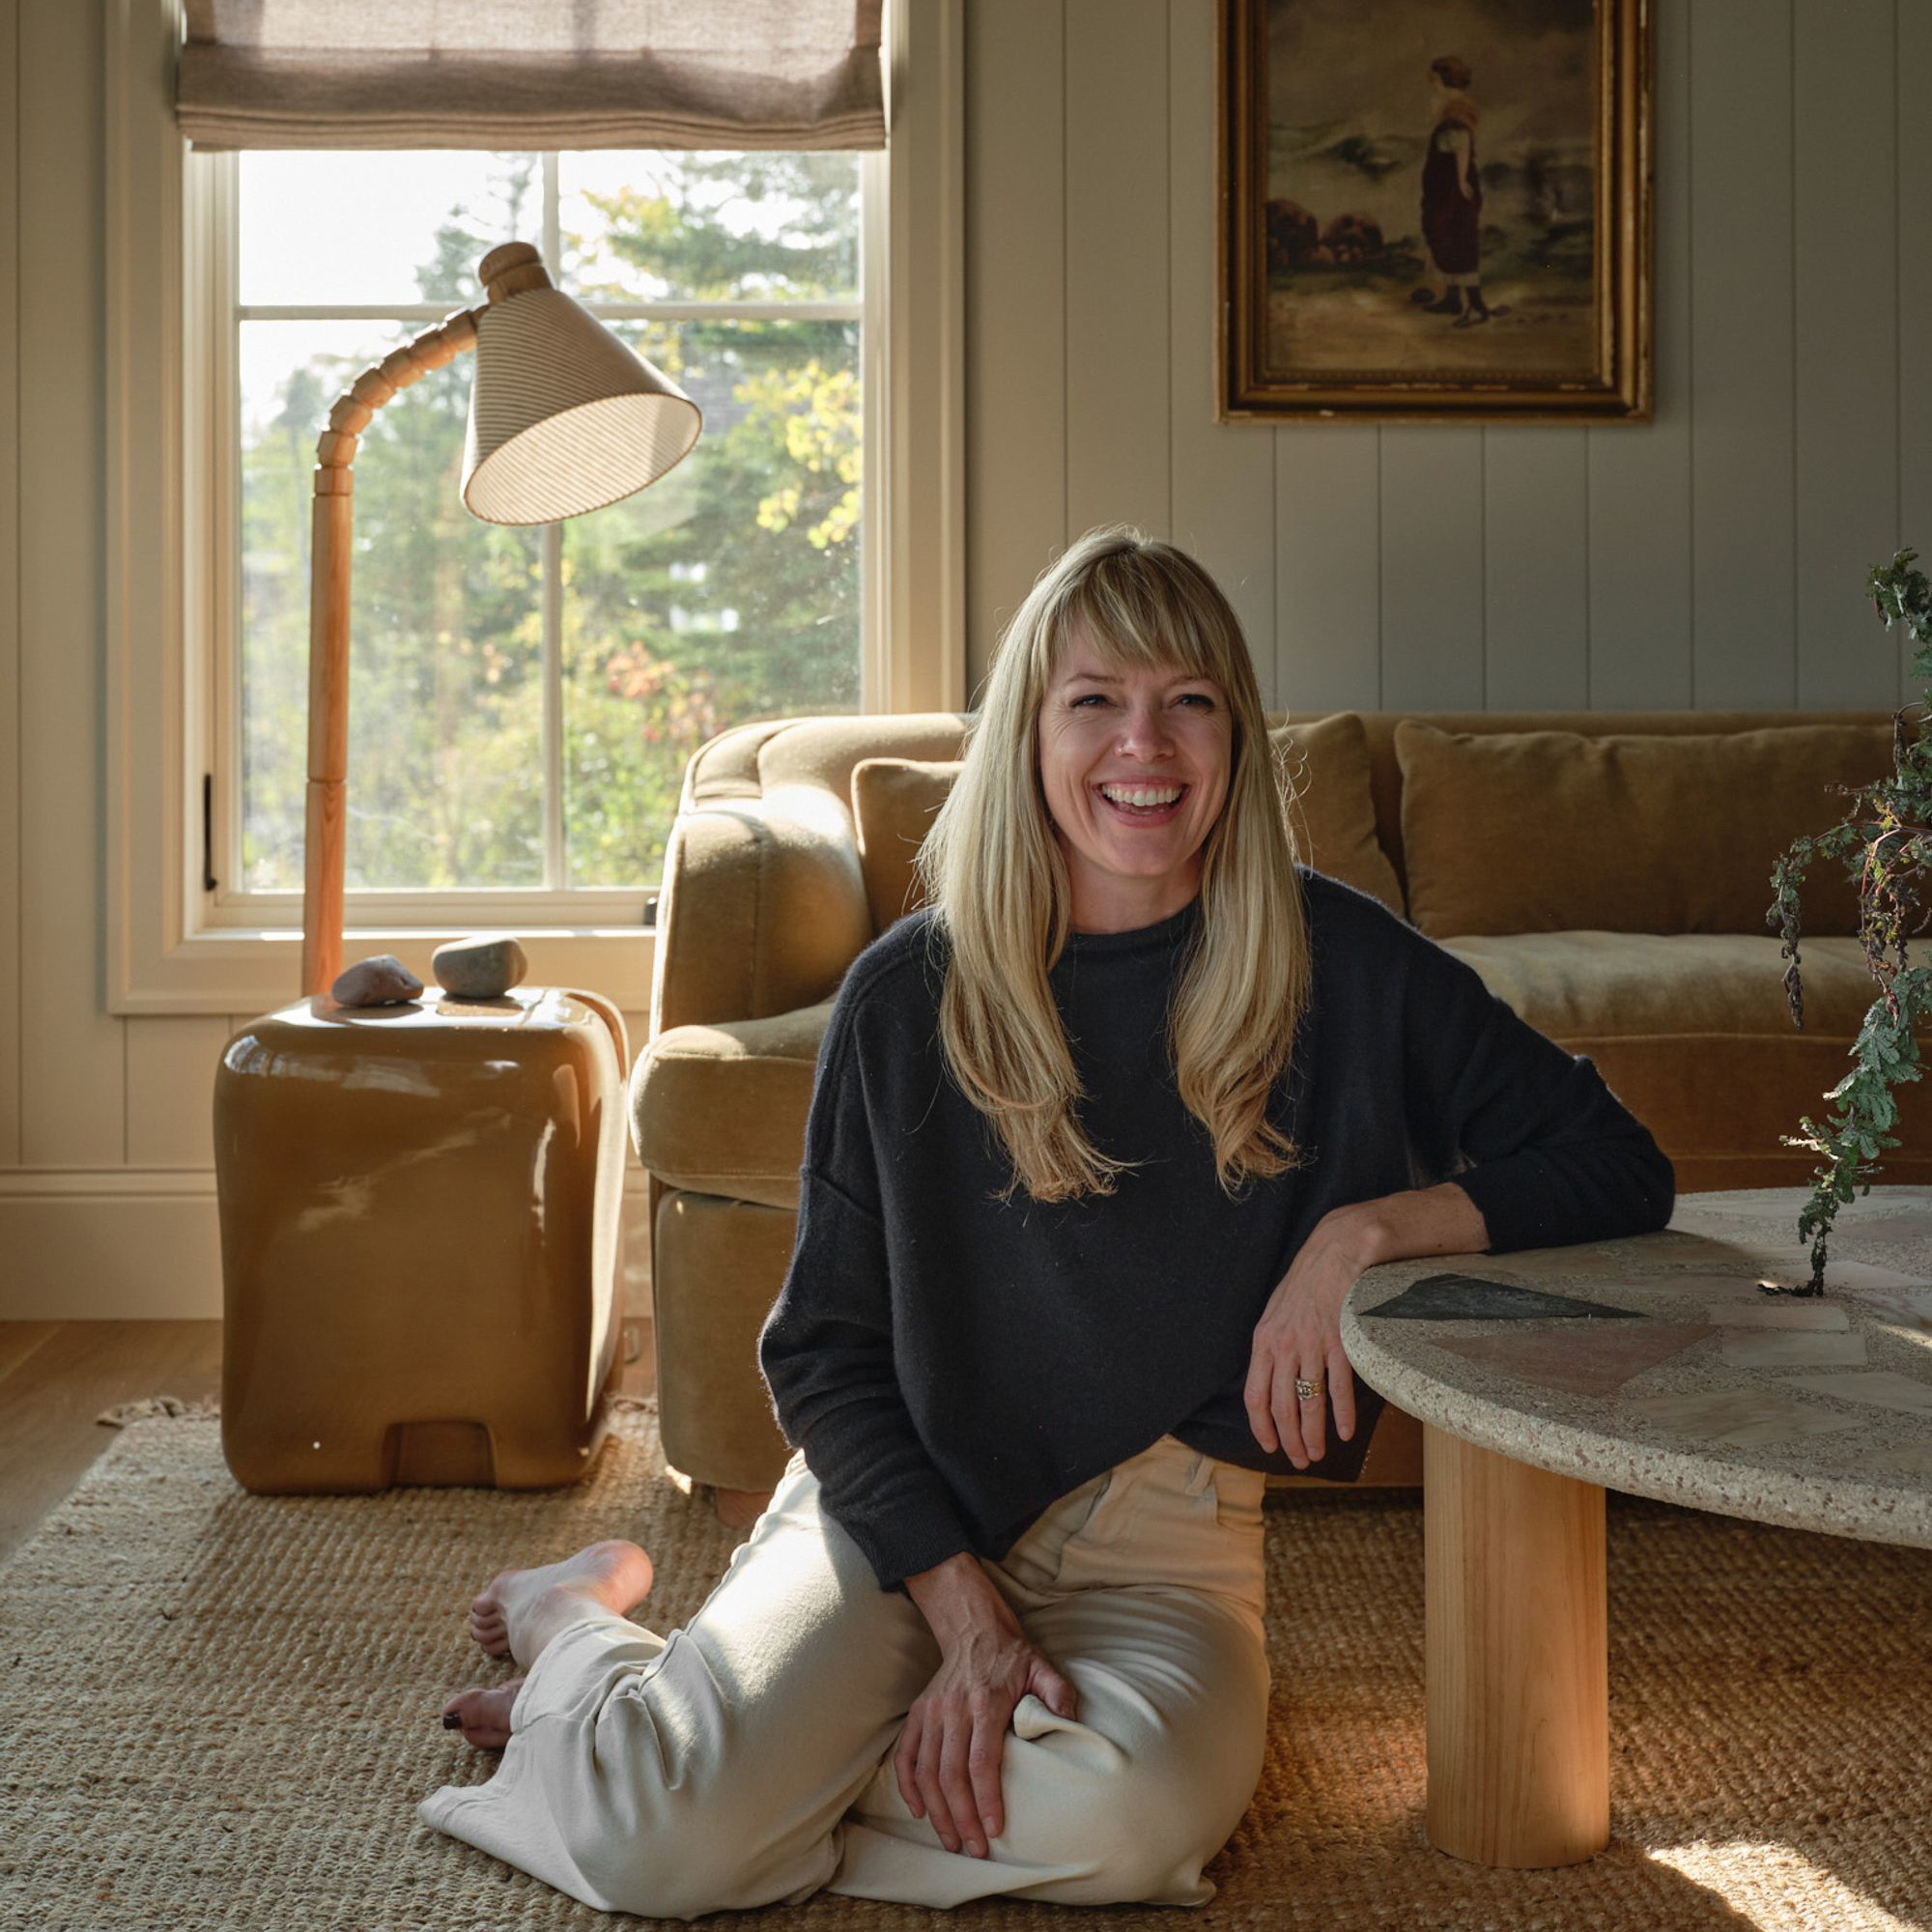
(483, 1716)
(615, 1575)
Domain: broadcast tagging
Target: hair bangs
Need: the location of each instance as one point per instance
(1126, 610)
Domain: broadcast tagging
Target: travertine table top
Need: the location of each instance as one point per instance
(1657, 1365)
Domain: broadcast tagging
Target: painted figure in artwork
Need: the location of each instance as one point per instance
(1452, 194)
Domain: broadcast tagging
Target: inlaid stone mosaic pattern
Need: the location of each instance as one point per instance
(1660, 1365)
(1451, 1297)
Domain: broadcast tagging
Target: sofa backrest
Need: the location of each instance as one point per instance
(1385, 772)
(1687, 882)
(751, 759)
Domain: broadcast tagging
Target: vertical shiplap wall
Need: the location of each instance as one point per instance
(1710, 558)
(1915, 270)
(72, 1054)
(10, 584)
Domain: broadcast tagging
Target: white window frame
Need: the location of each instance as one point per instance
(173, 947)
(210, 189)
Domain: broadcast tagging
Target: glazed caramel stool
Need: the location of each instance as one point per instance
(421, 1241)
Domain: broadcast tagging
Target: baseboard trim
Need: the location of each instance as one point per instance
(128, 1246)
(144, 1244)
(41, 1183)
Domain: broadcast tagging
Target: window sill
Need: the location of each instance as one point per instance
(236, 971)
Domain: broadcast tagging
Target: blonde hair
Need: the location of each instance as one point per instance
(993, 871)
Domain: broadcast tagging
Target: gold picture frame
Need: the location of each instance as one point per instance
(1363, 295)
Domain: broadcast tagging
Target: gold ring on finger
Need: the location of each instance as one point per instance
(1308, 1391)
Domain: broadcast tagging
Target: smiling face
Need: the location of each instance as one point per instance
(1134, 763)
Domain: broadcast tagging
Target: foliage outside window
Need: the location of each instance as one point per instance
(727, 591)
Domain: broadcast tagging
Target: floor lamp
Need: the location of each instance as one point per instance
(563, 419)
(420, 1201)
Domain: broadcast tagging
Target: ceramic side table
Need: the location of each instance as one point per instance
(1654, 1365)
(421, 1240)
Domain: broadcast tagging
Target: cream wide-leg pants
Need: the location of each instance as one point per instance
(747, 1758)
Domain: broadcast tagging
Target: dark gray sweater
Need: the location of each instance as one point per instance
(951, 1364)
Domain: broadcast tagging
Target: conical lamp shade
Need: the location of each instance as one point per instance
(564, 417)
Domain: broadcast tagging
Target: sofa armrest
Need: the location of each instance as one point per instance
(721, 1109)
(762, 910)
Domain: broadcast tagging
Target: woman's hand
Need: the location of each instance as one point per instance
(1300, 1329)
(1300, 1334)
(947, 1762)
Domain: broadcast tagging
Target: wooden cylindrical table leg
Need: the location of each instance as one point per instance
(1518, 1658)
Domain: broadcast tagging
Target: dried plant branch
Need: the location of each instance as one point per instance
(1885, 841)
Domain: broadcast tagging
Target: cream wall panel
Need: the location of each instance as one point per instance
(1915, 302)
(1535, 568)
(149, 1250)
(1845, 302)
(1743, 508)
(1639, 479)
(11, 726)
(1431, 568)
(171, 1067)
(1117, 367)
(72, 1052)
(1328, 567)
(1223, 473)
(1015, 309)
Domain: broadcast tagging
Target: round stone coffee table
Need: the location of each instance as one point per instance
(1653, 1364)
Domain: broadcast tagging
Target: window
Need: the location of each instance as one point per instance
(175, 621)
(524, 700)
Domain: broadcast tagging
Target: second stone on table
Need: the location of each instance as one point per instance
(482, 967)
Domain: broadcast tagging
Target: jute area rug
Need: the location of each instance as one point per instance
(220, 1710)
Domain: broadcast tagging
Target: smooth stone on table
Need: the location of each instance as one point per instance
(380, 981)
(482, 967)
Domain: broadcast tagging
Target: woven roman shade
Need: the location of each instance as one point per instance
(533, 75)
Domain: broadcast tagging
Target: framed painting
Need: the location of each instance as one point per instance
(1434, 211)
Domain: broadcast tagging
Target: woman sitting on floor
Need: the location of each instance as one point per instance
(1096, 1148)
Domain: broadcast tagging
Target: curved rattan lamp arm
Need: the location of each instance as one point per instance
(331, 530)
(331, 526)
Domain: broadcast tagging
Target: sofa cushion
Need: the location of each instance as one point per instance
(720, 1109)
(1332, 811)
(1556, 831)
(1602, 985)
(894, 800)
(1692, 1031)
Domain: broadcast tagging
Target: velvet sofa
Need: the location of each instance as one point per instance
(1607, 873)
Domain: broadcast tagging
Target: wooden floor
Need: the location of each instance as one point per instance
(57, 1377)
